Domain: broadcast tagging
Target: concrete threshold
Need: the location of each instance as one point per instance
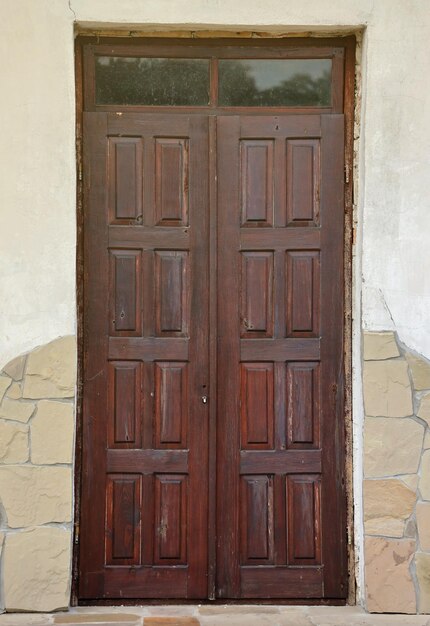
(216, 615)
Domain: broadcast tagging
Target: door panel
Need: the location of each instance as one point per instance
(149, 285)
(144, 497)
(281, 530)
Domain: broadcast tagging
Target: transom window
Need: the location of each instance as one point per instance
(208, 75)
(186, 82)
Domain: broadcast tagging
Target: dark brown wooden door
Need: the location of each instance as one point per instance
(274, 275)
(144, 493)
(280, 510)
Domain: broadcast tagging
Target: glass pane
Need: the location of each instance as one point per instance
(148, 81)
(275, 82)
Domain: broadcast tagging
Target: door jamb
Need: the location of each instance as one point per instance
(349, 43)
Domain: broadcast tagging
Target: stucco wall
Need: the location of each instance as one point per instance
(37, 173)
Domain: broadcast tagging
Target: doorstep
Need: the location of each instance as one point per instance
(213, 615)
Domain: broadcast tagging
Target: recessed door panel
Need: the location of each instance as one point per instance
(123, 519)
(125, 289)
(257, 408)
(171, 181)
(303, 293)
(146, 430)
(304, 528)
(303, 182)
(279, 360)
(257, 180)
(303, 404)
(171, 292)
(257, 294)
(125, 181)
(125, 404)
(171, 404)
(170, 519)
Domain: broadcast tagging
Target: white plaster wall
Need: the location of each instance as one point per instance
(37, 182)
(396, 200)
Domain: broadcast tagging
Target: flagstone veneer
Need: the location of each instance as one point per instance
(36, 450)
(396, 487)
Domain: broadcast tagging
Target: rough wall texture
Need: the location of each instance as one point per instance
(36, 454)
(396, 489)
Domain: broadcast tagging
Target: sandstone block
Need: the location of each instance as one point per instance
(411, 528)
(389, 586)
(250, 619)
(33, 496)
(411, 480)
(379, 346)
(13, 442)
(178, 621)
(5, 382)
(103, 618)
(16, 410)
(14, 391)
(423, 523)
(424, 409)
(37, 570)
(52, 433)
(420, 370)
(424, 482)
(51, 370)
(387, 504)
(422, 562)
(392, 446)
(426, 444)
(171, 610)
(37, 619)
(15, 368)
(387, 390)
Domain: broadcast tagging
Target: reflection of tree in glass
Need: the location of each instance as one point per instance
(237, 87)
(300, 90)
(186, 82)
(152, 81)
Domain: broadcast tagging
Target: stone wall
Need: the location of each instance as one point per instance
(396, 489)
(36, 484)
(36, 456)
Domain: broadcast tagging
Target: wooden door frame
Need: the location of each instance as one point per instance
(349, 45)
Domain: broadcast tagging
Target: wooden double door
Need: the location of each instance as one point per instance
(213, 435)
